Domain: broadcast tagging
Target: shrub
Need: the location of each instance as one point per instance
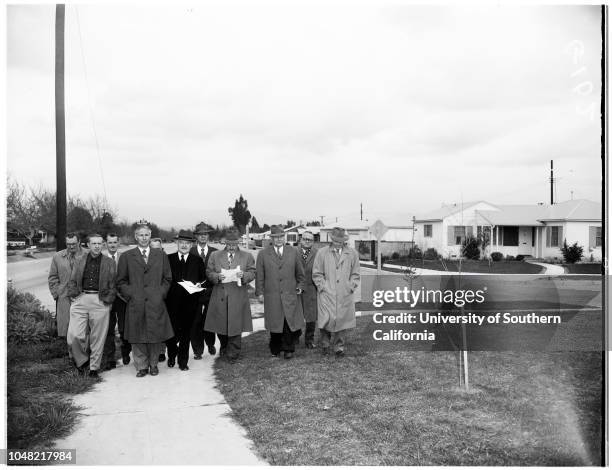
(497, 256)
(520, 257)
(470, 248)
(572, 253)
(27, 320)
(509, 258)
(395, 255)
(415, 253)
(431, 253)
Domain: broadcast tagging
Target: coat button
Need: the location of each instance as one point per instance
(145, 299)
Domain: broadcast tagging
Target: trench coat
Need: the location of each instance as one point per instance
(144, 287)
(180, 303)
(277, 279)
(336, 282)
(59, 277)
(309, 296)
(229, 311)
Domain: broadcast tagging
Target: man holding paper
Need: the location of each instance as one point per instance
(229, 311)
(188, 274)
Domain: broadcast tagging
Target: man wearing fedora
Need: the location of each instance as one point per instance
(143, 280)
(279, 281)
(335, 272)
(229, 311)
(308, 298)
(198, 335)
(183, 306)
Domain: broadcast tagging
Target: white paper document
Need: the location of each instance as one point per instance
(190, 287)
(230, 275)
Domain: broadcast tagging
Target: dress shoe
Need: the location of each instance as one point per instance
(184, 367)
(162, 357)
(154, 370)
(197, 357)
(110, 365)
(171, 362)
(212, 350)
(288, 355)
(94, 374)
(339, 353)
(142, 373)
(126, 360)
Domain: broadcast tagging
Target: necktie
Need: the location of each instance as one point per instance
(114, 259)
(202, 254)
(231, 258)
(305, 254)
(144, 256)
(278, 252)
(182, 259)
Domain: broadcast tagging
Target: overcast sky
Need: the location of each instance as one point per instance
(308, 110)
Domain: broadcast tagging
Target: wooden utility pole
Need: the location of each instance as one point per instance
(60, 129)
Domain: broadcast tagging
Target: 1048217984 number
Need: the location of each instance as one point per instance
(65, 456)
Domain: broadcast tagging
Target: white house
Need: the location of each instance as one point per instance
(530, 230)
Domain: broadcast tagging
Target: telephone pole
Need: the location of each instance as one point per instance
(60, 129)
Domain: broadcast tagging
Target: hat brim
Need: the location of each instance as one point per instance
(202, 232)
(339, 239)
(187, 239)
(277, 235)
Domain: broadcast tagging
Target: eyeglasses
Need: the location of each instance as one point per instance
(308, 239)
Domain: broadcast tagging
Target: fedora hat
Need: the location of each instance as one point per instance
(339, 235)
(202, 228)
(184, 235)
(277, 231)
(232, 236)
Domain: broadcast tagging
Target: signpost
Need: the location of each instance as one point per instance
(378, 229)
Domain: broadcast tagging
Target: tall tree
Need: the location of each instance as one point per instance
(240, 214)
(255, 226)
(290, 223)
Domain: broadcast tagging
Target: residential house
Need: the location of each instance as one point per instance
(531, 230)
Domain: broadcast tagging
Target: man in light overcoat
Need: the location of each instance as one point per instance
(279, 282)
(59, 276)
(308, 298)
(335, 272)
(143, 280)
(229, 311)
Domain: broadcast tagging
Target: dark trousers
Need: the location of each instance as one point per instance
(310, 332)
(284, 341)
(198, 335)
(178, 345)
(115, 318)
(230, 346)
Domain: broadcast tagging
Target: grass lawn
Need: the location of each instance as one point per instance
(391, 404)
(583, 268)
(40, 382)
(472, 266)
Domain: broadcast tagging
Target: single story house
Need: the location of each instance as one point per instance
(536, 230)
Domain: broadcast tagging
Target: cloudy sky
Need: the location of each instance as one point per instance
(308, 110)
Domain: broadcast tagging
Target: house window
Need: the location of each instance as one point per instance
(510, 235)
(428, 230)
(484, 232)
(597, 236)
(554, 235)
(459, 235)
(594, 236)
(292, 237)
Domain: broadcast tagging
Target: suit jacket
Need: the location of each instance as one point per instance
(229, 311)
(106, 281)
(204, 298)
(179, 301)
(309, 296)
(144, 287)
(119, 303)
(277, 279)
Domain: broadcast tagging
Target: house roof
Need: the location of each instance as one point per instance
(390, 220)
(447, 210)
(532, 214)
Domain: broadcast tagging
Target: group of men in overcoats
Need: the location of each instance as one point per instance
(143, 292)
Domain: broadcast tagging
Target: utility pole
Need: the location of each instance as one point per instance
(361, 210)
(322, 217)
(552, 181)
(60, 129)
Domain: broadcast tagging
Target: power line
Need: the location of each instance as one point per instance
(91, 116)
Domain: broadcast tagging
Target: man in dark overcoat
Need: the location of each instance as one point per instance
(183, 306)
(279, 282)
(309, 297)
(143, 280)
(199, 336)
(229, 311)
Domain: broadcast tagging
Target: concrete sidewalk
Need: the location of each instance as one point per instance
(175, 418)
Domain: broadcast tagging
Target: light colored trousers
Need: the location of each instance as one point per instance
(87, 330)
(146, 354)
(336, 339)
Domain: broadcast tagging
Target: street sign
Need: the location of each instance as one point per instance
(378, 229)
